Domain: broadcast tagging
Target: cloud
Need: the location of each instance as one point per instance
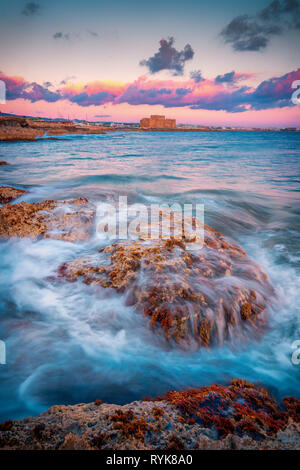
(196, 75)
(245, 34)
(17, 87)
(93, 93)
(31, 8)
(253, 33)
(169, 58)
(96, 99)
(35, 92)
(207, 94)
(221, 93)
(93, 33)
(203, 95)
(226, 78)
(102, 115)
(274, 93)
(14, 86)
(68, 79)
(276, 9)
(60, 35)
(232, 77)
(182, 91)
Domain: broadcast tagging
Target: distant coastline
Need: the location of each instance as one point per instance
(21, 128)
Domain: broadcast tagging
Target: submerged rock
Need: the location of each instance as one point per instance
(8, 194)
(238, 416)
(61, 220)
(195, 297)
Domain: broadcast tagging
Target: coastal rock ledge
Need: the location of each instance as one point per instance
(189, 296)
(238, 416)
(8, 194)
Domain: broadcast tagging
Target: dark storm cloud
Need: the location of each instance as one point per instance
(253, 33)
(31, 8)
(169, 58)
(196, 75)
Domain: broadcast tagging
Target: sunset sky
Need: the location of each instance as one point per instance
(201, 62)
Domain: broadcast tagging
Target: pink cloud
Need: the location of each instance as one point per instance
(223, 93)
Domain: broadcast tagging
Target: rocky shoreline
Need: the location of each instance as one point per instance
(14, 129)
(23, 129)
(240, 415)
(184, 300)
(196, 298)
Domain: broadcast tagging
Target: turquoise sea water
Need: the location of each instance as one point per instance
(64, 345)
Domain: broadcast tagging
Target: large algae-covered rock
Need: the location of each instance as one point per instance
(61, 220)
(240, 415)
(195, 297)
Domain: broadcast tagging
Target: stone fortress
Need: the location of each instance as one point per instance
(158, 122)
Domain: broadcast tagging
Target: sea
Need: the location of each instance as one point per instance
(65, 345)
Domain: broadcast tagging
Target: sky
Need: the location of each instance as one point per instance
(200, 62)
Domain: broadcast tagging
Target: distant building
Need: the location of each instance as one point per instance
(158, 122)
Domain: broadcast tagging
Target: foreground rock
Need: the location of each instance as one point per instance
(199, 297)
(239, 416)
(8, 194)
(61, 220)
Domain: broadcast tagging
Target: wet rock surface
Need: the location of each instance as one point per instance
(2, 162)
(194, 297)
(191, 294)
(8, 194)
(14, 129)
(238, 416)
(61, 220)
